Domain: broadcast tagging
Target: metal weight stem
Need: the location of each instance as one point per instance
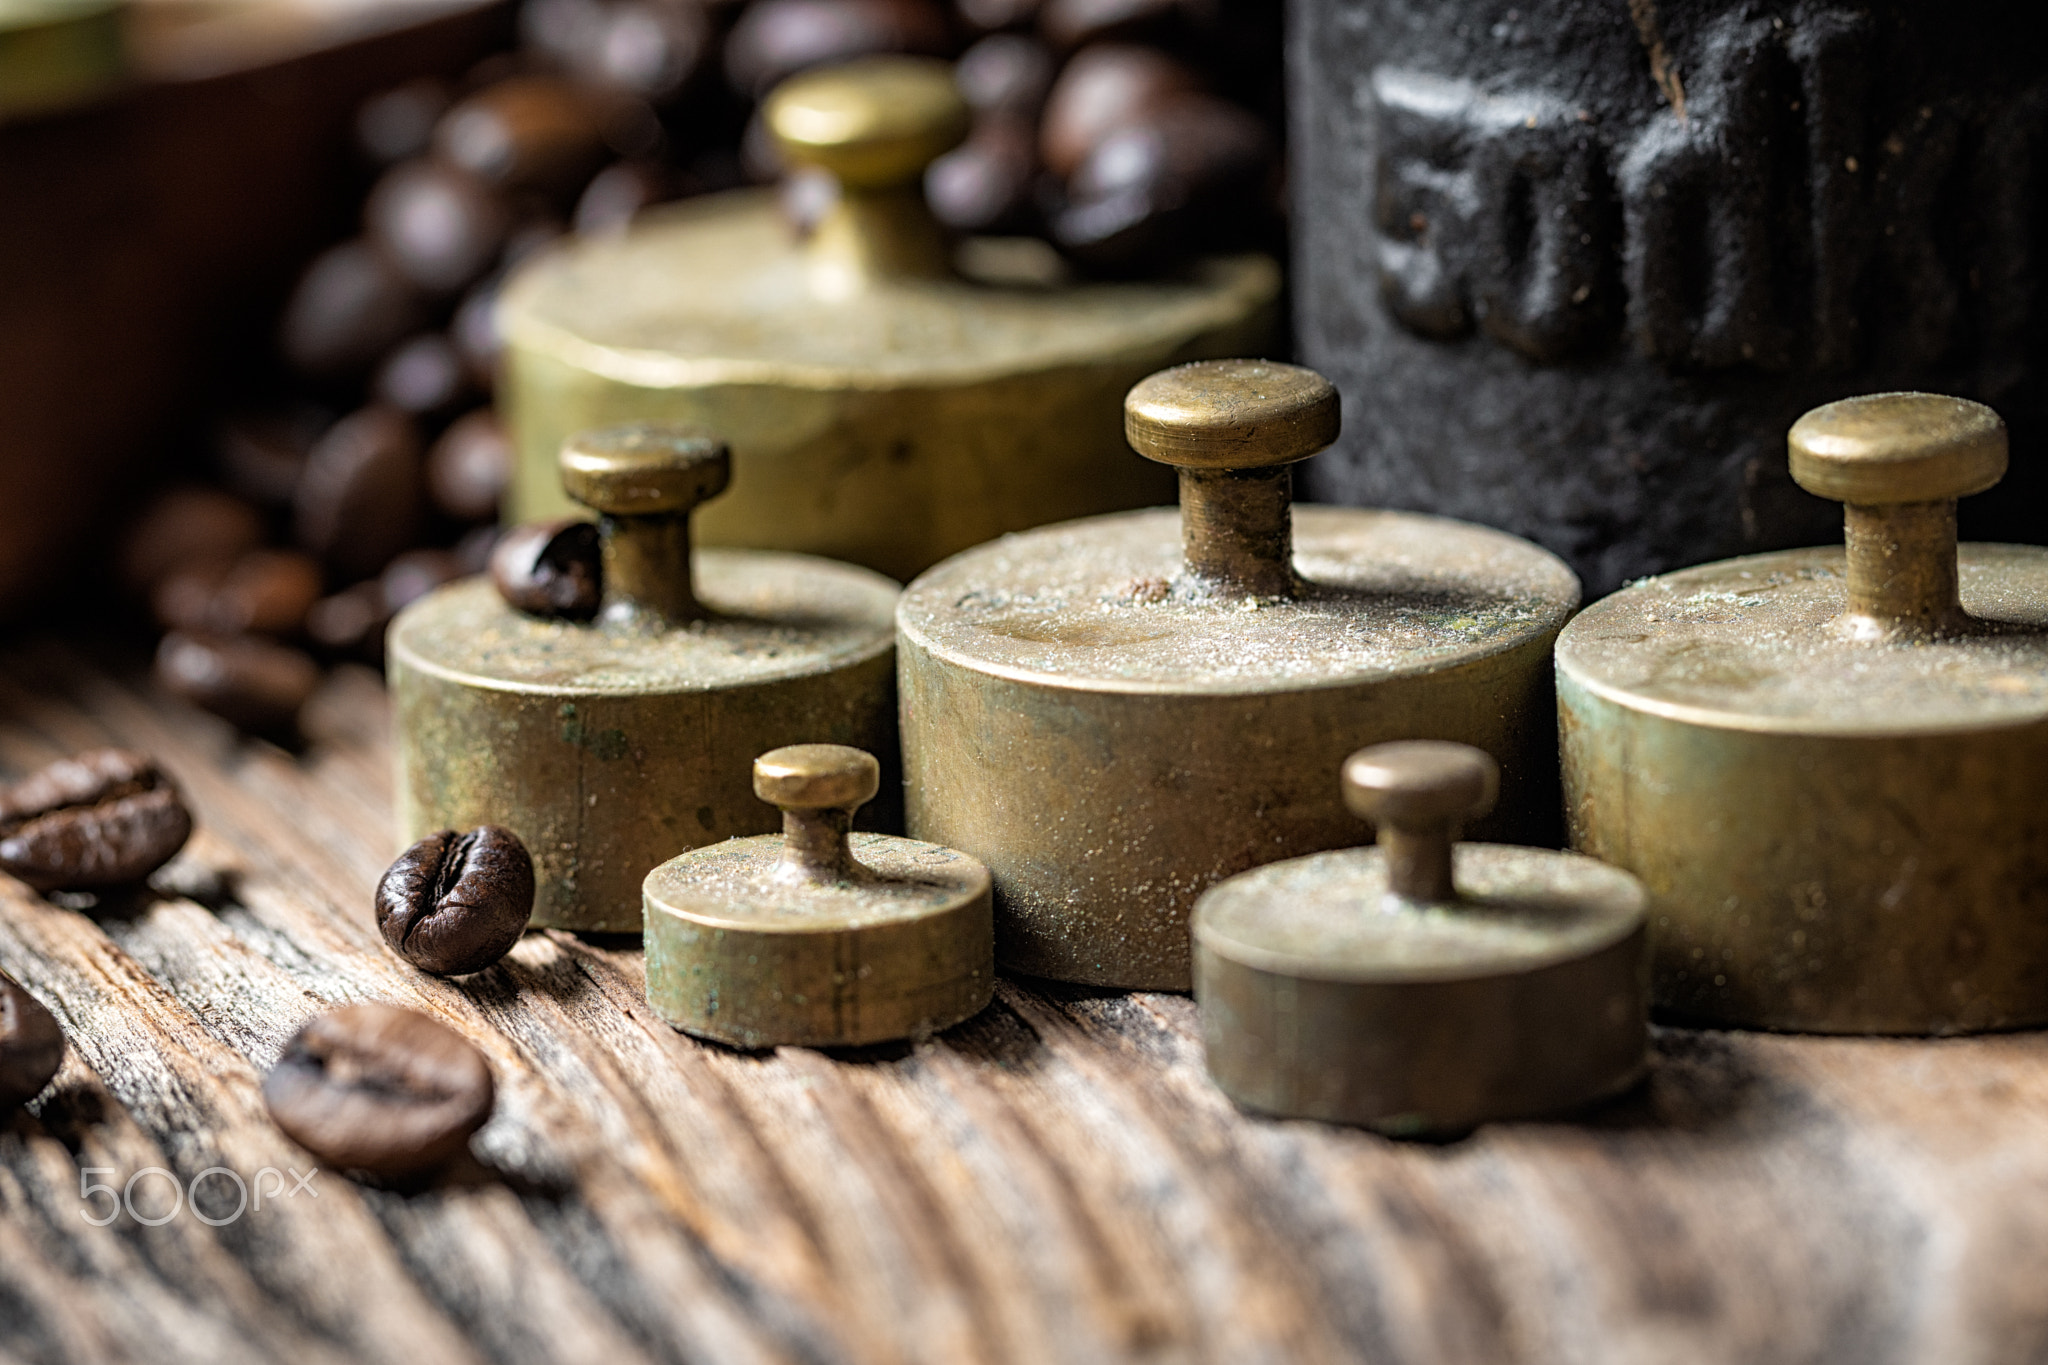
(647, 574)
(1902, 570)
(1237, 530)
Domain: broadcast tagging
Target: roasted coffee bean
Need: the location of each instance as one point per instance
(455, 903)
(441, 226)
(987, 183)
(265, 591)
(527, 133)
(247, 681)
(1071, 23)
(397, 125)
(1102, 89)
(351, 622)
(31, 1045)
(363, 494)
(649, 47)
(470, 467)
(550, 568)
(109, 817)
(423, 377)
(775, 39)
(414, 574)
(260, 455)
(350, 307)
(1006, 74)
(381, 1090)
(1173, 181)
(615, 196)
(187, 527)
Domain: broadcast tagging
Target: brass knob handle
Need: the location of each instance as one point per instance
(1234, 428)
(1418, 795)
(818, 788)
(1899, 461)
(874, 124)
(643, 482)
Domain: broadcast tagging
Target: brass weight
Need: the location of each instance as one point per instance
(1417, 988)
(814, 937)
(885, 408)
(607, 747)
(1116, 713)
(1830, 766)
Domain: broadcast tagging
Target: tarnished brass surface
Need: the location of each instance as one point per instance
(1418, 988)
(1112, 732)
(609, 747)
(885, 409)
(1831, 768)
(813, 938)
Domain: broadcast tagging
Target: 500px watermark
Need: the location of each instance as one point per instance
(158, 1185)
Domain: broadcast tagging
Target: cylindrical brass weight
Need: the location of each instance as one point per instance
(890, 401)
(1116, 713)
(1830, 766)
(609, 746)
(813, 938)
(1422, 987)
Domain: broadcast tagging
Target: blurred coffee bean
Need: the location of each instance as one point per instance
(561, 30)
(351, 622)
(474, 330)
(775, 39)
(249, 682)
(441, 227)
(362, 496)
(422, 377)
(31, 1045)
(990, 15)
(396, 125)
(648, 47)
(470, 467)
(186, 527)
(107, 817)
(413, 575)
(615, 196)
(1006, 74)
(1102, 89)
(987, 183)
(535, 133)
(550, 568)
(267, 592)
(381, 1090)
(455, 903)
(1070, 23)
(350, 307)
(1174, 180)
(261, 454)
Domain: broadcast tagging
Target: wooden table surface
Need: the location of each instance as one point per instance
(1053, 1181)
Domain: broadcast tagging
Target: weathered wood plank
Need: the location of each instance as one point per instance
(1054, 1180)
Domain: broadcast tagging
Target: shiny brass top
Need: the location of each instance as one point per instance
(818, 787)
(1232, 414)
(643, 482)
(1419, 794)
(874, 124)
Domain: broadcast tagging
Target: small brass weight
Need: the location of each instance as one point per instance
(1418, 988)
(1115, 713)
(814, 937)
(1830, 766)
(609, 746)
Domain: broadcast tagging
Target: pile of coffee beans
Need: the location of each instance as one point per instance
(1128, 133)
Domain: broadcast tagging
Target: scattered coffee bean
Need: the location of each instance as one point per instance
(526, 133)
(455, 903)
(31, 1045)
(775, 39)
(397, 125)
(987, 183)
(1102, 89)
(382, 1090)
(362, 496)
(265, 591)
(246, 681)
(615, 196)
(350, 307)
(108, 817)
(423, 377)
(441, 227)
(650, 49)
(550, 568)
(185, 527)
(1172, 180)
(1006, 74)
(470, 467)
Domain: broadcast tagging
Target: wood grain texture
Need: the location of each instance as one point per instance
(1053, 1181)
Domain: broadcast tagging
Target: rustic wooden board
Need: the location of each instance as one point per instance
(1054, 1180)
